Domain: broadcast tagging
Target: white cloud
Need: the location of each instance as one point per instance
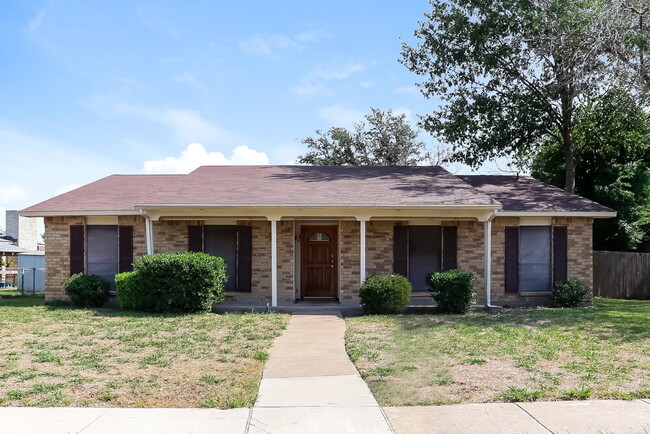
(186, 125)
(337, 70)
(272, 46)
(196, 155)
(340, 116)
(311, 90)
(315, 82)
(367, 84)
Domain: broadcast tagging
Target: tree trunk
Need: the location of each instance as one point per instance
(567, 141)
(569, 162)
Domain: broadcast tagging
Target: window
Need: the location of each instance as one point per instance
(535, 257)
(319, 237)
(233, 244)
(102, 252)
(420, 250)
(101, 249)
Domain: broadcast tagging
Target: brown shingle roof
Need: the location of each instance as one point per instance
(316, 186)
(526, 194)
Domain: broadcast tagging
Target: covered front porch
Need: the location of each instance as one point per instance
(303, 258)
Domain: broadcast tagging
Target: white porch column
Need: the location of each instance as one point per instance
(362, 248)
(274, 260)
(148, 233)
(488, 262)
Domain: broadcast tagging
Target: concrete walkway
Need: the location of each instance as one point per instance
(309, 384)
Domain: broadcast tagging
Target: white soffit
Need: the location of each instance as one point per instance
(101, 220)
(534, 221)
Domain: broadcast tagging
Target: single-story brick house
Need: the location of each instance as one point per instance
(291, 233)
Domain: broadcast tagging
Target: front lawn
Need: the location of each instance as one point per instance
(515, 355)
(58, 356)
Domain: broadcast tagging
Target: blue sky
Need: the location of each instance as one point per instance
(88, 89)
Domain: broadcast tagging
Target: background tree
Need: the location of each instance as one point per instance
(510, 74)
(612, 153)
(384, 139)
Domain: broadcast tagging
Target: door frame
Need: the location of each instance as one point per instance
(334, 224)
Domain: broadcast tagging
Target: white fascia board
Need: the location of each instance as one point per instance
(370, 206)
(76, 213)
(592, 214)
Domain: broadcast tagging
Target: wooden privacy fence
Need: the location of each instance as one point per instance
(622, 275)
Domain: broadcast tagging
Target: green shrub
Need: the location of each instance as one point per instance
(453, 290)
(176, 282)
(385, 293)
(128, 290)
(87, 290)
(570, 293)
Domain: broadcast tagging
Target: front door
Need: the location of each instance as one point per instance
(318, 269)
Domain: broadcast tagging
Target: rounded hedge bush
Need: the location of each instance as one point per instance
(570, 293)
(174, 282)
(127, 288)
(453, 290)
(87, 290)
(385, 293)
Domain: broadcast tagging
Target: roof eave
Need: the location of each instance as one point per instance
(25, 213)
(591, 214)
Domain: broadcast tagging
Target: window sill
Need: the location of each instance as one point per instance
(535, 293)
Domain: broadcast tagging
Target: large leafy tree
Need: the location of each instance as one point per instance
(612, 154)
(510, 74)
(384, 139)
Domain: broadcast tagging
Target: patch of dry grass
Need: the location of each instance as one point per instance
(57, 356)
(515, 355)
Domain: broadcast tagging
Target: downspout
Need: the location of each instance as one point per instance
(148, 232)
(488, 260)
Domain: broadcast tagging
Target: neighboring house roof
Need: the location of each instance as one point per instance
(526, 194)
(10, 248)
(315, 186)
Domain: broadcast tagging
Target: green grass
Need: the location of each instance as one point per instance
(515, 355)
(60, 356)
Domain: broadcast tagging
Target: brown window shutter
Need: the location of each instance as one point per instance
(449, 248)
(244, 258)
(125, 247)
(195, 238)
(77, 249)
(512, 259)
(560, 243)
(400, 250)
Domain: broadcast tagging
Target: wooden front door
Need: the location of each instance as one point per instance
(318, 261)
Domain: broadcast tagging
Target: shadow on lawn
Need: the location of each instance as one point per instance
(626, 320)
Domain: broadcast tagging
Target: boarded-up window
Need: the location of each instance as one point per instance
(102, 251)
(418, 251)
(535, 258)
(424, 254)
(222, 241)
(232, 243)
